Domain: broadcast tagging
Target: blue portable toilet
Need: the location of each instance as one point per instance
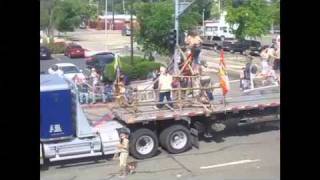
(57, 109)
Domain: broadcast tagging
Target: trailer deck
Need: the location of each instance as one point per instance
(231, 104)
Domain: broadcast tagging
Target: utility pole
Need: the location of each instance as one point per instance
(176, 27)
(112, 15)
(179, 9)
(203, 21)
(123, 6)
(131, 31)
(106, 21)
(176, 20)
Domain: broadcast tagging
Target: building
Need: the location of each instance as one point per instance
(120, 21)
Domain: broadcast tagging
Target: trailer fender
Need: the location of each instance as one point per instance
(194, 137)
(186, 119)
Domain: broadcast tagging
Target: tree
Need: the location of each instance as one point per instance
(46, 8)
(275, 8)
(66, 15)
(215, 10)
(253, 17)
(155, 22)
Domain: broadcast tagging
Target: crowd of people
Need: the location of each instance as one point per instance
(270, 68)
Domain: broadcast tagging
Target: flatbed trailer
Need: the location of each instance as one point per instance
(176, 130)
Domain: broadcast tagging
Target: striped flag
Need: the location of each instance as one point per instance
(117, 65)
(223, 76)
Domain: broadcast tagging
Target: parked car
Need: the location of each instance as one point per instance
(45, 53)
(69, 70)
(74, 51)
(126, 31)
(99, 61)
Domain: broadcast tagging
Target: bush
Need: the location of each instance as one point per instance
(138, 71)
(57, 48)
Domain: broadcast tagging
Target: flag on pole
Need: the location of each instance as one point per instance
(116, 62)
(223, 76)
(117, 65)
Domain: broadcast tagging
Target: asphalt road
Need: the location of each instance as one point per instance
(237, 154)
(59, 58)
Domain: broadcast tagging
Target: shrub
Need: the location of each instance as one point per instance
(56, 48)
(138, 71)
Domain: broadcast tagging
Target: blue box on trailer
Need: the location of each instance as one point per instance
(56, 109)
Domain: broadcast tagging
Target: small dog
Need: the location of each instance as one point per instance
(131, 167)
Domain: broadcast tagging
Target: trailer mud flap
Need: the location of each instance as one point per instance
(194, 137)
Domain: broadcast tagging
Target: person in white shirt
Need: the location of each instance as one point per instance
(165, 86)
(95, 77)
(55, 70)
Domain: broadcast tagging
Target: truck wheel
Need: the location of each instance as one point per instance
(45, 165)
(143, 144)
(175, 139)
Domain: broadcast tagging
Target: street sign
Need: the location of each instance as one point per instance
(183, 5)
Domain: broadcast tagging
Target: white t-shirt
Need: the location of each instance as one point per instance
(165, 81)
(95, 77)
(264, 67)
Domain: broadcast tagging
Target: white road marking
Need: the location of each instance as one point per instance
(233, 81)
(230, 163)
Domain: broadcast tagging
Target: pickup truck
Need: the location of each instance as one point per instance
(212, 41)
(246, 47)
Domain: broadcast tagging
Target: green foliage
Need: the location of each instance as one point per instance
(65, 15)
(139, 70)
(56, 48)
(155, 22)
(214, 11)
(254, 18)
(46, 7)
(275, 8)
(44, 18)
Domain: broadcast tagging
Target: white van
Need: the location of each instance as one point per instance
(219, 28)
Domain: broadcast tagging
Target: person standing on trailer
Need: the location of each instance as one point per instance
(165, 87)
(249, 73)
(95, 77)
(194, 41)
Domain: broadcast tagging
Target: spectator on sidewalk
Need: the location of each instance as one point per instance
(124, 153)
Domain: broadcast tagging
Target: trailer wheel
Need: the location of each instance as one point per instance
(175, 139)
(143, 144)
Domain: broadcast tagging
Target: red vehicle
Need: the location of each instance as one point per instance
(74, 51)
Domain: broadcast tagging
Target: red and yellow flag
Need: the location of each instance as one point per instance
(223, 76)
